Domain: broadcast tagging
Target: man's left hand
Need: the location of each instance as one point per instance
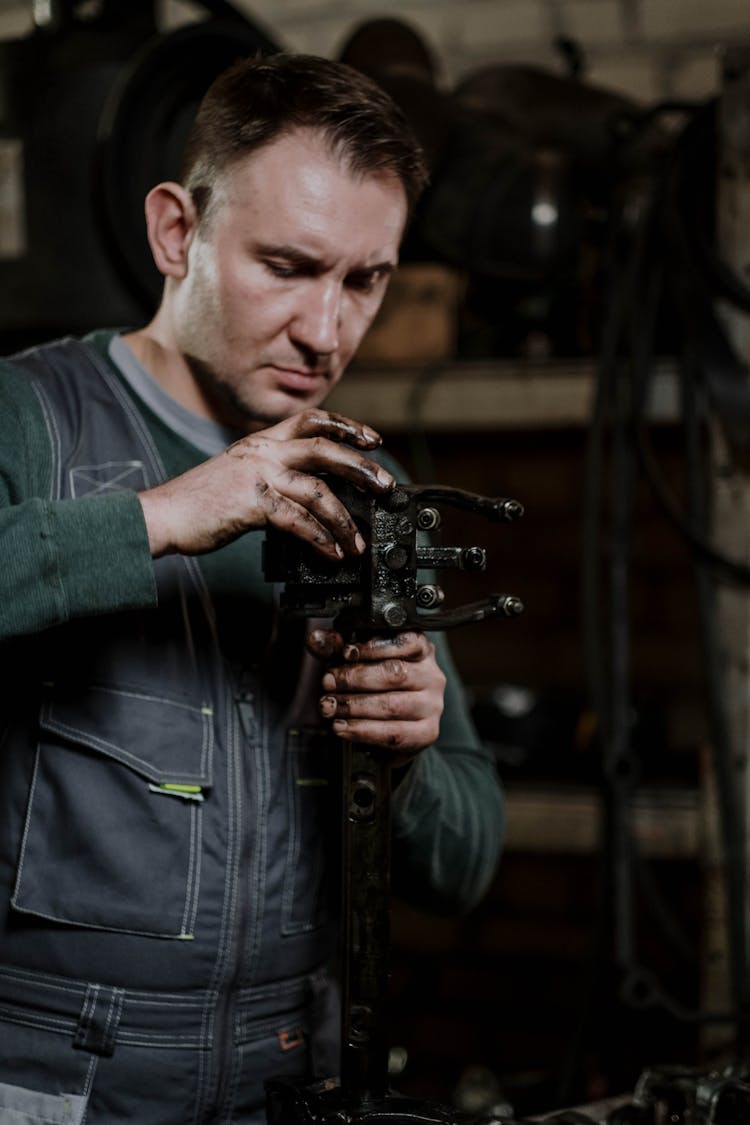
(386, 691)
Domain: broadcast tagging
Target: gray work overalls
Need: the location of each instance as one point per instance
(165, 920)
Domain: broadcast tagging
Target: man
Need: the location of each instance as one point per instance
(169, 917)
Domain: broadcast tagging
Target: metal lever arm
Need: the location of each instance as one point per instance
(497, 605)
(498, 509)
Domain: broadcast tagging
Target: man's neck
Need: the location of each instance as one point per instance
(169, 368)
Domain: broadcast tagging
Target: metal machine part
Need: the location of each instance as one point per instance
(378, 593)
(381, 590)
(682, 1095)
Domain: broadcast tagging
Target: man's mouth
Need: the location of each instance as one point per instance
(300, 379)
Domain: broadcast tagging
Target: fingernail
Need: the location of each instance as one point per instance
(327, 706)
(340, 724)
(351, 652)
(371, 435)
(329, 682)
(339, 550)
(359, 543)
(384, 477)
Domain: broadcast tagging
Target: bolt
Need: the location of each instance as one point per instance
(509, 605)
(394, 557)
(511, 510)
(396, 500)
(474, 558)
(394, 614)
(428, 519)
(429, 595)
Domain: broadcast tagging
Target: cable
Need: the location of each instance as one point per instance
(709, 565)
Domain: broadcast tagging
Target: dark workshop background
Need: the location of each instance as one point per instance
(569, 328)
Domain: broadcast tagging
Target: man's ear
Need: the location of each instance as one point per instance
(170, 221)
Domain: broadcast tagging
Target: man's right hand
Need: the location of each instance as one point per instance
(269, 477)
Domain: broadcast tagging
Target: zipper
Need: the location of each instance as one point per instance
(246, 740)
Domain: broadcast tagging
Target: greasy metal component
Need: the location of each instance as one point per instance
(430, 595)
(365, 922)
(376, 593)
(380, 589)
(395, 557)
(428, 519)
(686, 1095)
(326, 1103)
(394, 615)
(458, 558)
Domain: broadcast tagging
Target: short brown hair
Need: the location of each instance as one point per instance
(258, 100)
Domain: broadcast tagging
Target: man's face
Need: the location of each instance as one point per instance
(284, 277)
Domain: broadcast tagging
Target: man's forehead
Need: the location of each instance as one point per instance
(295, 146)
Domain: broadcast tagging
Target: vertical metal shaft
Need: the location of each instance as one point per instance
(365, 931)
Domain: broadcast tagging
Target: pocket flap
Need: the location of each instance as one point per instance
(167, 741)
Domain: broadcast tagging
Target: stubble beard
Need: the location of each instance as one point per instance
(232, 408)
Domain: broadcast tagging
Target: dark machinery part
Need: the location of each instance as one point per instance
(381, 590)
(680, 1095)
(365, 924)
(378, 593)
(324, 1103)
(95, 106)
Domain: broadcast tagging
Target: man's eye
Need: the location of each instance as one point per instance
(365, 282)
(282, 269)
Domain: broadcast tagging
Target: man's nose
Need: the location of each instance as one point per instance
(316, 325)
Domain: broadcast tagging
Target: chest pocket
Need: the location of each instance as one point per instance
(112, 838)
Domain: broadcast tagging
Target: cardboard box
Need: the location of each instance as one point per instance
(418, 320)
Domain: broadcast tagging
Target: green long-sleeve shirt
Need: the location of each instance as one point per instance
(63, 559)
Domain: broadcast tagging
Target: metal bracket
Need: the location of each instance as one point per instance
(382, 590)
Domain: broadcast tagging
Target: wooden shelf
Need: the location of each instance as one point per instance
(491, 395)
(666, 823)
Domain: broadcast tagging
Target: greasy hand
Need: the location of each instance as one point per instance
(269, 478)
(387, 691)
